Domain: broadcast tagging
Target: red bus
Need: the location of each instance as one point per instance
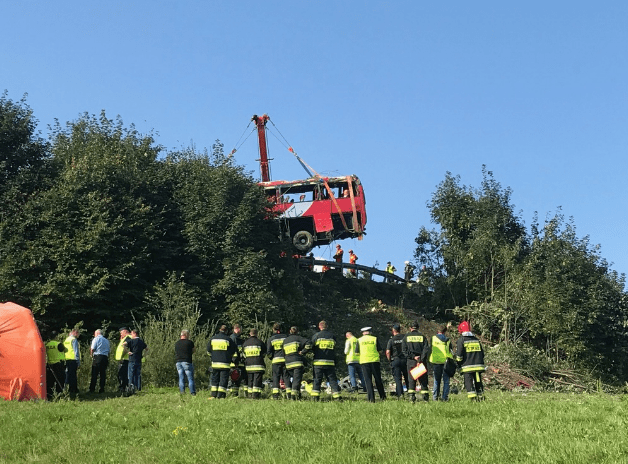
(318, 210)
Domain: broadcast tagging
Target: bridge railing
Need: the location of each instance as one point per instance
(307, 262)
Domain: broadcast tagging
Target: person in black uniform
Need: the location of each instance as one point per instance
(254, 351)
(277, 356)
(416, 349)
(295, 347)
(398, 364)
(324, 363)
(470, 358)
(237, 363)
(221, 348)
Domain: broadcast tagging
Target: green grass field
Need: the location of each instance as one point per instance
(160, 426)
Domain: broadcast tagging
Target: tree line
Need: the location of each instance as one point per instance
(98, 219)
(545, 289)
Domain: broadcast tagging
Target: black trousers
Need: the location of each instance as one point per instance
(280, 372)
(123, 375)
(255, 383)
(473, 384)
(370, 371)
(422, 381)
(321, 372)
(55, 378)
(399, 368)
(99, 368)
(219, 382)
(297, 377)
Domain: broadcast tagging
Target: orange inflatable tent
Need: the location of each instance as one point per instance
(22, 355)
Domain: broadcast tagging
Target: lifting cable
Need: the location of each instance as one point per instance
(242, 143)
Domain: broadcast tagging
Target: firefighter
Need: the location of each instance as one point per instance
(55, 367)
(324, 363)
(221, 348)
(416, 348)
(470, 358)
(276, 354)
(338, 255)
(398, 364)
(352, 259)
(295, 347)
(254, 351)
(238, 369)
(368, 348)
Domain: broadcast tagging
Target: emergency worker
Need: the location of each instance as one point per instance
(368, 348)
(398, 364)
(277, 356)
(55, 367)
(72, 361)
(237, 363)
(324, 363)
(416, 348)
(339, 253)
(470, 358)
(295, 347)
(353, 363)
(254, 351)
(352, 260)
(221, 348)
(122, 356)
(390, 270)
(439, 354)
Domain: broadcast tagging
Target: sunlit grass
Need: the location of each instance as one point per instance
(162, 426)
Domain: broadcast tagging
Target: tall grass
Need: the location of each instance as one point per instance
(161, 426)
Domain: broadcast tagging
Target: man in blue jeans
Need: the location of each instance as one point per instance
(440, 352)
(135, 347)
(183, 350)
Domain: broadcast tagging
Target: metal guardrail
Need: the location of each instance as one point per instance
(307, 262)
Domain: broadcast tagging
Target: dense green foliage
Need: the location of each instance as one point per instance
(164, 427)
(547, 287)
(111, 217)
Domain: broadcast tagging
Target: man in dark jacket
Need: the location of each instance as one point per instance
(254, 351)
(221, 348)
(415, 348)
(295, 347)
(324, 363)
(398, 364)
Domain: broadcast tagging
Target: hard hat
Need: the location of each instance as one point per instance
(338, 246)
(464, 327)
(350, 251)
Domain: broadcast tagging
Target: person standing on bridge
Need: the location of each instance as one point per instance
(352, 259)
(339, 253)
(390, 269)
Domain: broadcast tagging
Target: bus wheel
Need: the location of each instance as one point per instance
(303, 241)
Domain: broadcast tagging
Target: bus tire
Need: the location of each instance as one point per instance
(303, 241)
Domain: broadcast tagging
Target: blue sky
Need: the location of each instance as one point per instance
(397, 93)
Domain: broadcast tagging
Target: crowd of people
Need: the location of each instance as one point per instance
(238, 363)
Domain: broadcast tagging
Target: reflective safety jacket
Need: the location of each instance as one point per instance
(72, 349)
(469, 354)
(254, 351)
(275, 348)
(324, 344)
(368, 348)
(55, 352)
(441, 349)
(221, 348)
(350, 347)
(292, 345)
(120, 354)
(415, 344)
